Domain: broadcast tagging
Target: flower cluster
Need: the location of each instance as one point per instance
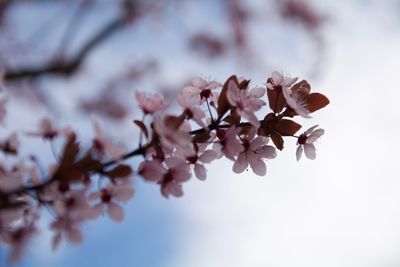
(225, 118)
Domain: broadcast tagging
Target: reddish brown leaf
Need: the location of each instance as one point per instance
(120, 171)
(142, 127)
(278, 140)
(276, 100)
(287, 127)
(174, 122)
(244, 84)
(201, 137)
(316, 101)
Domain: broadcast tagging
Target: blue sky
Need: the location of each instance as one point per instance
(343, 209)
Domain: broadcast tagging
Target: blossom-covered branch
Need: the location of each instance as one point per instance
(88, 182)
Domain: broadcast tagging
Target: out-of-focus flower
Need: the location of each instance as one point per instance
(246, 102)
(67, 227)
(10, 144)
(191, 109)
(177, 173)
(150, 104)
(198, 160)
(172, 136)
(103, 146)
(47, 130)
(255, 151)
(306, 141)
(152, 170)
(109, 198)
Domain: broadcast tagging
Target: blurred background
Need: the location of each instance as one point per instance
(74, 60)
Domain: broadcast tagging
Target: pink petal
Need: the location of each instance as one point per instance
(74, 236)
(115, 212)
(200, 171)
(241, 163)
(299, 152)
(208, 156)
(257, 164)
(123, 193)
(232, 93)
(267, 152)
(309, 150)
(257, 92)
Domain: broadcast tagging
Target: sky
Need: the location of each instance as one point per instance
(342, 209)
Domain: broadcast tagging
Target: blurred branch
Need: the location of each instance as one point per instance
(66, 68)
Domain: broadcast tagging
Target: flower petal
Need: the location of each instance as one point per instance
(200, 171)
(257, 164)
(299, 152)
(309, 150)
(241, 163)
(115, 212)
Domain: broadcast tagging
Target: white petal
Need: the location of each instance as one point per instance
(115, 212)
(309, 150)
(241, 163)
(315, 135)
(200, 171)
(267, 152)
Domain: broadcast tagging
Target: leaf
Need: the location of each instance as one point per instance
(223, 104)
(316, 101)
(287, 127)
(142, 127)
(201, 137)
(233, 118)
(174, 122)
(278, 140)
(244, 84)
(276, 100)
(88, 164)
(120, 171)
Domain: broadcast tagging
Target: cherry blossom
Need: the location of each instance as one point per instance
(246, 102)
(191, 110)
(67, 227)
(177, 173)
(109, 198)
(278, 81)
(198, 160)
(306, 142)
(254, 153)
(171, 137)
(103, 146)
(150, 104)
(201, 90)
(152, 170)
(228, 144)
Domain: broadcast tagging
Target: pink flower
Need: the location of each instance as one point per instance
(47, 130)
(246, 102)
(103, 146)
(296, 102)
(255, 151)
(150, 104)
(172, 138)
(66, 227)
(278, 81)
(109, 198)
(75, 203)
(202, 156)
(306, 141)
(228, 144)
(18, 239)
(177, 173)
(191, 110)
(201, 90)
(152, 170)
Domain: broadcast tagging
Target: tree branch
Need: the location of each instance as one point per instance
(66, 68)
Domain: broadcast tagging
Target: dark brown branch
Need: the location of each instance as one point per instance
(66, 68)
